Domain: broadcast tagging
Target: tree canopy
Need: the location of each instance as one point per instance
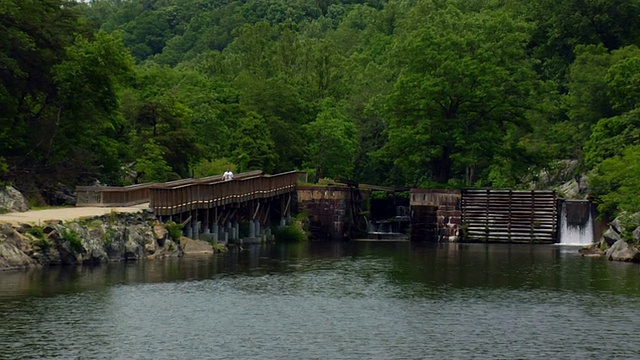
(444, 93)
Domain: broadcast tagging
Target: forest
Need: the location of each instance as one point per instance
(422, 93)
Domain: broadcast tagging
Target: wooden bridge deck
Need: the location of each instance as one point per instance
(122, 196)
(175, 199)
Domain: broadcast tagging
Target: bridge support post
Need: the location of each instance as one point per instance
(252, 229)
(189, 231)
(236, 230)
(216, 232)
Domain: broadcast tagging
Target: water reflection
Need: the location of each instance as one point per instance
(388, 300)
(514, 266)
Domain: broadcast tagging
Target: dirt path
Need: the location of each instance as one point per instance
(70, 213)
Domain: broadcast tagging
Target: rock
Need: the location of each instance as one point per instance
(12, 200)
(11, 257)
(190, 246)
(611, 236)
(621, 251)
(592, 250)
(625, 223)
(160, 232)
(134, 245)
(570, 189)
(14, 249)
(115, 237)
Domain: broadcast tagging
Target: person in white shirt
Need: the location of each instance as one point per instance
(228, 175)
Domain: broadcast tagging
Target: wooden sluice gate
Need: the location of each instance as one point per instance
(510, 216)
(472, 215)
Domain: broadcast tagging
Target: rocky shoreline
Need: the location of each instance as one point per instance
(620, 242)
(109, 238)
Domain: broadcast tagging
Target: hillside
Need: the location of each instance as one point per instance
(407, 93)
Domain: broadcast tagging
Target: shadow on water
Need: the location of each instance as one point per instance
(504, 266)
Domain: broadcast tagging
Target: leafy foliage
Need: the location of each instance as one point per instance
(618, 182)
(434, 93)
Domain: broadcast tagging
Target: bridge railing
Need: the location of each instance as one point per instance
(113, 195)
(105, 196)
(185, 197)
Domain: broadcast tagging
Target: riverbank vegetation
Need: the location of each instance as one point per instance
(392, 92)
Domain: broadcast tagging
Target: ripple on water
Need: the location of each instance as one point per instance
(366, 307)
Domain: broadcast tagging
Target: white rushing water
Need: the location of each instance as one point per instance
(575, 234)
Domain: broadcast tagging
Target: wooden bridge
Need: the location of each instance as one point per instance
(248, 205)
(208, 207)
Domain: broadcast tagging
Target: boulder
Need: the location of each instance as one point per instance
(12, 200)
(190, 246)
(134, 247)
(570, 189)
(611, 236)
(592, 250)
(14, 249)
(621, 251)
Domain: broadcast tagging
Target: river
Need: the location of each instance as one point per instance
(356, 300)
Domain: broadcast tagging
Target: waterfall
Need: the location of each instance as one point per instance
(576, 223)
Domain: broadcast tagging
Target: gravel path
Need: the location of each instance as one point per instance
(67, 213)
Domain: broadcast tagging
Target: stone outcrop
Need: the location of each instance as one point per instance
(621, 251)
(12, 200)
(620, 242)
(114, 237)
(191, 247)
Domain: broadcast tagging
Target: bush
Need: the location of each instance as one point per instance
(174, 229)
(74, 239)
(290, 233)
(37, 232)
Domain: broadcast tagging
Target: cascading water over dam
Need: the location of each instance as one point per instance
(576, 223)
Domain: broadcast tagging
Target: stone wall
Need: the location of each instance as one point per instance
(436, 215)
(328, 210)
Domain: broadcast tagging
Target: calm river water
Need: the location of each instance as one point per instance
(356, 300)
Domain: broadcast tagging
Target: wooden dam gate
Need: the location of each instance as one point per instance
(475, 215)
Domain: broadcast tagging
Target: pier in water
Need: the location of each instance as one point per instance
(355, 300)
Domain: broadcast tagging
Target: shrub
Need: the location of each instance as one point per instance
(174, 229)
(74, 239)
(219, 248)
(43, 244)
(290, 233)
(37, 232)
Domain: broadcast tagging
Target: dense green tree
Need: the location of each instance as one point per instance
(253, 147)
(331, 142)
(465, 78)
(617, 183)
(151, 165)
(90, 135)
(561, 25)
